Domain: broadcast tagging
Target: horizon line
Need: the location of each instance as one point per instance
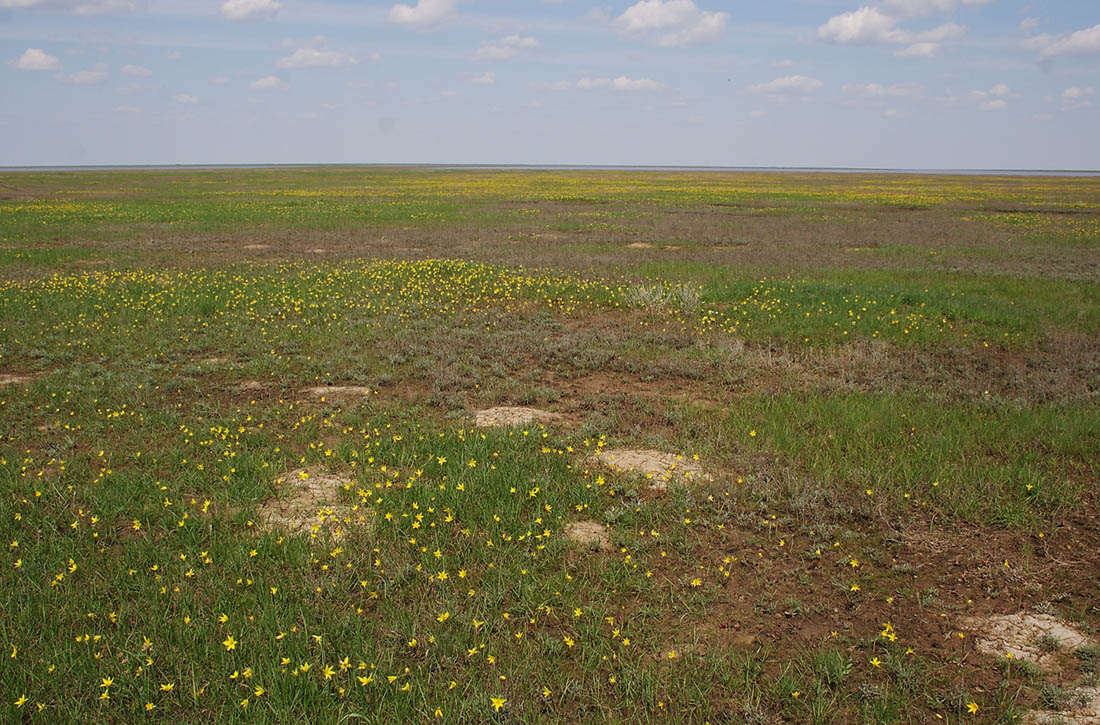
(562, 167)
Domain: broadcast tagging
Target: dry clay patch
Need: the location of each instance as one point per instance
(506, 416)
(659, 468)
(6, 379)
(1085, 712)
(308, 498)
(1039, 638)
(589, 534)
(338, 392)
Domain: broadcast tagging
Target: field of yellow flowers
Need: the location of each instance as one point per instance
(241, 478)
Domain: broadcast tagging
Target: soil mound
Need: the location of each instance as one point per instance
(1025, 636)
(589, 534)
(307, 499)
(505, 417)
(657, 466)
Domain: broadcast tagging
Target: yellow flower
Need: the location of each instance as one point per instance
(876, 662)
(497, 702)
(972, 707)
(23, 698)
(230, 643)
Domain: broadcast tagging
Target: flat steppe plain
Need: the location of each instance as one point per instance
(793, 447)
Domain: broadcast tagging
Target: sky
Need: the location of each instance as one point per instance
(923, 84)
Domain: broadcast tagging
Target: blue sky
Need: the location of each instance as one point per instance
(882, 83)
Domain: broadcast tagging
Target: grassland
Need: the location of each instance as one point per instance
(891, 382)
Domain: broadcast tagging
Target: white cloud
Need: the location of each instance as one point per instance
(136, 71)
(250, 9)
(865, 26)
(1081, 42)
(485, 79)
(425, 14)
(622, 83)
(757, 114)
(507, 47)
(876, 90)
(878, 25)
(84, 77)
(891, 113)
(788, 85)
(78, 7)
(185, 99)
(921, 8)
(1029, 23)
(35, 59)
(316, 58)
(1077, 97)
(673, 23)
(220, 80)
(918, 50)
(268, 83)
(995, 99)
(127, 109)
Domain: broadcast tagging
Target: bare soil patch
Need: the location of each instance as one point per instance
(307, 498)
(589, 534)
(6, 379)
(251, 385)
(657, 466)
(1031, 637)
(507, 416)
(639, 245)
(342, 392)
(1085, 712)
(257, 247)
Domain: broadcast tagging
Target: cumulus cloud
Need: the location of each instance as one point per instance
(788, 85)
(424, 15)
(878, 25)
(268, 83)
(1080, 42)
(35, 59)
(865, 26)
(505, 48)
(877, 90)
(185, 99)
(127, 109)
(485, 79)
(1076, 97)
(672, 23)
(136, 71)
(918, 50)
(250, 9)
(922, 8)
(77, 7)
(316, 58)
(622, 83)
(995, 99)
(85, 77)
